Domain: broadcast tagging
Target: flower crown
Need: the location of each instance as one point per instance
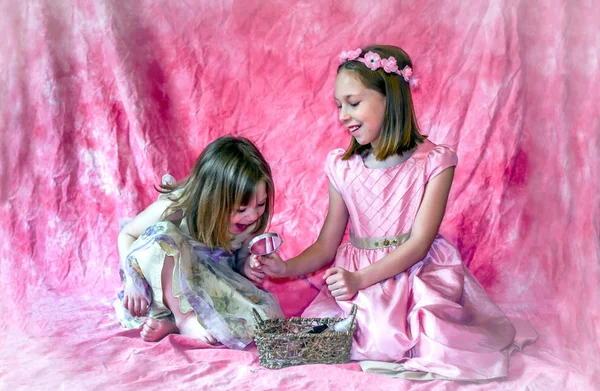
(373, 61)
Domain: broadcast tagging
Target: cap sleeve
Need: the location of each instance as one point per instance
(332, 167)
(440, 158)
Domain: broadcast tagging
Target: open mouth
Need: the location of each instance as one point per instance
(242, 227)
(353, 128)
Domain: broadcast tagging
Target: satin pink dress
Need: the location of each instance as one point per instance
(434, 317)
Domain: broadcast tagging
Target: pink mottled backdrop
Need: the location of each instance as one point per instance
(98, 99)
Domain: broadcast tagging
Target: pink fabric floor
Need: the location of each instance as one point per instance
(99, 99)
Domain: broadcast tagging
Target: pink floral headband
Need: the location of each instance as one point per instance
(373, 61)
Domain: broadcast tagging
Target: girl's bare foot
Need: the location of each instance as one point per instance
(191, 327)
(156, 329)
(205, 336)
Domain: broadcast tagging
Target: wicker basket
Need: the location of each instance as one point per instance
(280, 344)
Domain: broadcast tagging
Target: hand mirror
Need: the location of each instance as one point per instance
(265, 244)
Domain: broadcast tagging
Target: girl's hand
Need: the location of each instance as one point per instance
(134, 301)
(272, 265)
(342, 284)
(252, 270)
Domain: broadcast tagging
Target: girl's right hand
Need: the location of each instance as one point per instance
(252, 270)
(134, 301)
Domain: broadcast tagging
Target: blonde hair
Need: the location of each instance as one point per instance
(400, 131)
(224, 178)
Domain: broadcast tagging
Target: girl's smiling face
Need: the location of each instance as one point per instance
(247, 215)
(361, 109)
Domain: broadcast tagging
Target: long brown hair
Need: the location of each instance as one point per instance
(225, 177)
(400, 130)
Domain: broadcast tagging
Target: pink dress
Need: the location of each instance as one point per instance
(434, 317)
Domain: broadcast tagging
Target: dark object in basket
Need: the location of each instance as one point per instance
(281, 342)
(317, 329)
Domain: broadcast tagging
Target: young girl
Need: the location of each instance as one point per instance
(418, 304)
(182, 257)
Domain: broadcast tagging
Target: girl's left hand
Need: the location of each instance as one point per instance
(342, 284)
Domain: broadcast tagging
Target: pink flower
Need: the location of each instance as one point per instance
(353, 55)
(414, 83)
(372, 60)
(407, 73)
(389, 65)
(350, 55)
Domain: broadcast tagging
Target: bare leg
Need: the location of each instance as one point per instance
(187, 324)
(156, 329)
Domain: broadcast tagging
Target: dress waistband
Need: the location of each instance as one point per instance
(375, 243)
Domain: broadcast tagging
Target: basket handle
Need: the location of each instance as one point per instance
(352, 314)
(257, 317)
